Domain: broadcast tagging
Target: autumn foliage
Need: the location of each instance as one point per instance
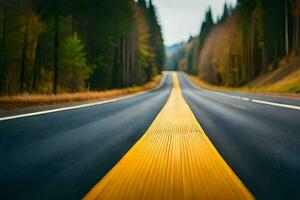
(58, 46)
(246, 42)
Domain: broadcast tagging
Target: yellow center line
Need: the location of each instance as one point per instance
(173, 160)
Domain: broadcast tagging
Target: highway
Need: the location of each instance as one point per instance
(260, 142)
(63, 155)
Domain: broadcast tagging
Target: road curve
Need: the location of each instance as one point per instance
(62, 155)
(260, 142)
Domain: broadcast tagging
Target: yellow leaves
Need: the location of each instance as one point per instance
(33, 22)
(143, 31)
(224, 39)
(257, 19)
(21, 101)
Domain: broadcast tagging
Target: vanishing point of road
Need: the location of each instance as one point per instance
(175, 142)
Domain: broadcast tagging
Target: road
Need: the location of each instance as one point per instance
(62, 155)
(260, 142)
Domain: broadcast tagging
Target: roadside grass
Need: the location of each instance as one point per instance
(28, 100)
(289, 84)
(203, 84)
(287, 87)
(283, 81)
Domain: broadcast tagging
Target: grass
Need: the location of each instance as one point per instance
(287, 87)
(289, 84)
(283, 81)
(28, 100)
(203, 84)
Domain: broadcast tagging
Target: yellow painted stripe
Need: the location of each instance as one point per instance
(173, 160)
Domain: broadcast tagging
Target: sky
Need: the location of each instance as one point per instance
(182, 18)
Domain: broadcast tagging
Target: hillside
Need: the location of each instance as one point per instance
(247, 47)
(170, 50)
(286, 78)
(283, 81)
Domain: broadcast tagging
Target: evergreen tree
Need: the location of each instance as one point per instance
(206, 27)
(156, 39)
(246, 41)
(226, 13)
(121, 39)
(75, 71)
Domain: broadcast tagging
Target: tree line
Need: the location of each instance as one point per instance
(52, 46)
(246, 41)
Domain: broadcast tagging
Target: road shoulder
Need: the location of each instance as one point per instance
(202, 84)
(55, 107)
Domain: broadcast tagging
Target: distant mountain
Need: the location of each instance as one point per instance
(170, 50)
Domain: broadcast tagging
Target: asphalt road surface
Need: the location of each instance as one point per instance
(259, 141)
(62, 155)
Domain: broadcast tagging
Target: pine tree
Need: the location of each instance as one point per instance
(226, 13)
(156, 40)
(206, 27)
(74, 68)
(121, 39)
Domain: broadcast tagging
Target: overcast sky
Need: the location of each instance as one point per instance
(182, 18)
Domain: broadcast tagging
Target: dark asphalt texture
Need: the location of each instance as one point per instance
(261, 143)
(63, 155)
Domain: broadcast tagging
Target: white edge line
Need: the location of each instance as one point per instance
(84, 105)
(245, 98)
(276, 104)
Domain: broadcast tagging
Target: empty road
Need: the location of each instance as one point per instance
(63, 155)
(260, 141)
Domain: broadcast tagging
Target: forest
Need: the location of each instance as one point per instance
(249, 39)
(59, 46)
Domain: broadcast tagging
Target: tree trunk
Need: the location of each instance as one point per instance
(294, 34)
(263, 58)
(287, 50)
(56, 46)
(36, 67)
(246, 63)
(127, 54)
(252, 51)
(115, 80)
(240, 75)
(275, 50)
(123, 62)
(2, 45)
(134, 69)
(229, 69)
(24, 57)
(130, 52)
(3, 75)
(243, 63)
(297, 35)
